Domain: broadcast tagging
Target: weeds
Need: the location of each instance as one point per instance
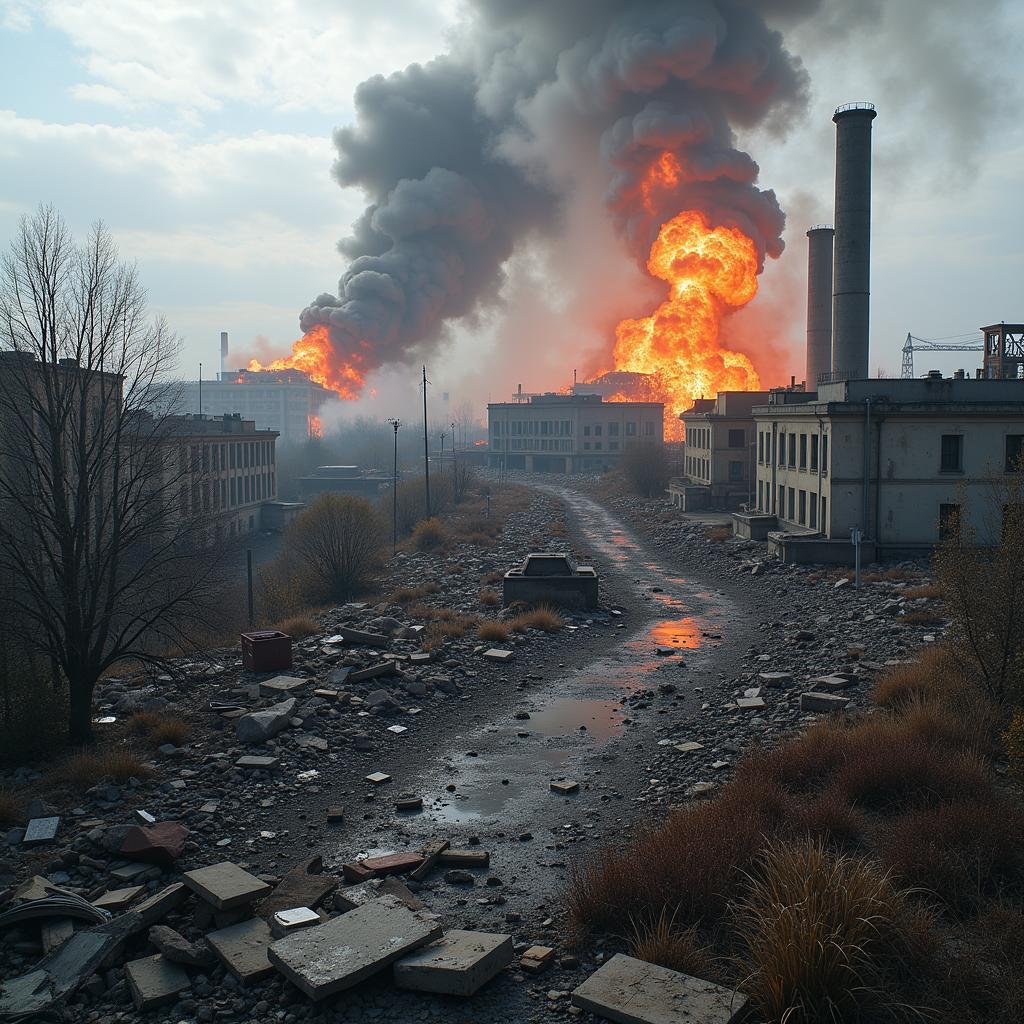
(717, 534)
(490, 598)
(298, 627)
(159, 729)
(85, 769)
(543, 617)
(660, 941)
(493, 631)
(409, 595)
(429, 534)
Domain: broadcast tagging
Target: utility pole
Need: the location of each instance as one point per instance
(396, 423)
(200, 389)
(426, 444)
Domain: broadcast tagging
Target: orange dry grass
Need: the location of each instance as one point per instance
(407, 595)
(88, 767)
(492, 630)
(679, 949)
(298, 627)
(543, 617)
(933, 674)
(159, 728)
(490, 598)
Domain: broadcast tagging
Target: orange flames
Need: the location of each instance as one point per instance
(315, 426)
(711, 271)
(314, 354)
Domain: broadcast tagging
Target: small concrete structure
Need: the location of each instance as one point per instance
(753, 525)
(631, 991)
(551, 578)
(154, 980)
(339, 954)
(456, 965)
(226, 885)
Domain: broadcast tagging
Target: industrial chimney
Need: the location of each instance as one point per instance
(819, 303)
(852, 275)
(223, 351)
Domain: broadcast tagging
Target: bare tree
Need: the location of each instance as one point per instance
(980, 569)
(335, 544)
(97, 511)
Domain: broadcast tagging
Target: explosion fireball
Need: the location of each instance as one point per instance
(711, 272)
(314, 353)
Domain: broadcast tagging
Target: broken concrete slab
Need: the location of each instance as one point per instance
(358, 636)
(339, 954)
(154, 981)
(256, 762)
(750, 703)
(430, 853)
(465, 858)
(116, 900)
(225, 886)
(260, 726)
(242, 948)
(392, 864)
(826, 702)
(457, 964)
(775, 680)
(41, 830)
(176, 948)
(830, 683)
(162, 843)
(281, 686)
(385, 668)
(161, 903)
(565, 786)
(497, 654)
(630, 991)
(55, 931)
(303, 886)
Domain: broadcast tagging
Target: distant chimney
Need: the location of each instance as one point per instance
(223, 351)
(819, 302)
(851, 278)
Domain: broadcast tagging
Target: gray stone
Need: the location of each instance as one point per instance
(775, 679)
(358, 636)
(385, 668)
(154, 980)
(41, 830)
(749, 703)
(176, 948)
(116, 900)
(827, 702)
(497, 654)
(281, 686)
(256, 762)
(260, 726)
(630, 991)
(242, 948)
(339, 954)
(455, 965)
(225, 886)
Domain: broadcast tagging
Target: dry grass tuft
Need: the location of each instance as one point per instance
(409, 595)
(159, 728)
(932, 591)
(86, 768)
(660, 942)
(493, 630)
(298, 627)
(448, 625)
(429, 534)
(489, 579)
(543, 617)
(716, 534)
(821, 932)
(920, 617)
(933, 675)
(490, 598)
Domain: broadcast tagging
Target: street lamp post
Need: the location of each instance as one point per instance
(395, 423)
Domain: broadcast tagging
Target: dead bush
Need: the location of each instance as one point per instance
(660, 941)
(920, 617)
(298, 627)
(86, 768)
(543, 617)
(492, 631)
(159, 728)
(932, 591)
(429, 535)
(805, 762)
(828, 818)
(933, 674)
(961, 851)
(407, 595)
(490, 598)
(821, 931)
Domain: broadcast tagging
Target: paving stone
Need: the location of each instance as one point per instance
(827, 702)
(129, 872)
(750, 703)
(117, 900)
(225, 885)
(281, 686)
(392, 863)
(630, 991)
(303, 886)
(41, 830)
(565, 786)
(385, 668)
(457, 964)
(242, 948)
(537, 959)
(341, 953)
(154, 980)
(378, 778)
(465, 858)
(286, 922)
(497, 654)
(256, 761)
(689, 747)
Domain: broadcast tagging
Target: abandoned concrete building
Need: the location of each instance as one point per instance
(555, 433)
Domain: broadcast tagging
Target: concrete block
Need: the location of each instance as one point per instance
(378, 778)
(827, 702)
(255, 761)
(689, 747)
(41, 830)
(339, 954)
(355, 896)
(285, 922)
(630, 991)
(226, 885)
(750, 703)
(242, 949)
(497, 654)
(281, 686)
(775, 679)
(465, 858)
(456, 965)
(537, 959)
(117, 900)
(392, 864)
(385, 668)
(154, 980)
(565, 787)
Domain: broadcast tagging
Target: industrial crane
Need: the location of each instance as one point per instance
(957, 343)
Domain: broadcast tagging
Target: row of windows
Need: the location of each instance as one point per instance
(700, 468)
(534, 444)
(797, 451)
(564, 428)
(215, 495)
(794, 504)
(951, 453)
(230, 455)
(700, 437)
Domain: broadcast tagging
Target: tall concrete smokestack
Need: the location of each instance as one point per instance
(223, 351)
(819, 303)
(852, 277)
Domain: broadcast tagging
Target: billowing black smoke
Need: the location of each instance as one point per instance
(472, 154)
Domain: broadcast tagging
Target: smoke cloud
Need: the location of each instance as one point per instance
(467, 159)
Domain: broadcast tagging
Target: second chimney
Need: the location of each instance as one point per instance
(819, 303)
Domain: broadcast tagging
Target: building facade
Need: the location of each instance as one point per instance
(718, 467)
(892, 458)
(227, 472)
(557, 433)
(286, 401)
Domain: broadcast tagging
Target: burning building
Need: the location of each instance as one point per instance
(288, 401)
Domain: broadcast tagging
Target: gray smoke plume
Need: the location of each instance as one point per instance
(466, 158)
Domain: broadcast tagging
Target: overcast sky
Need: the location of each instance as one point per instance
(201, 134)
